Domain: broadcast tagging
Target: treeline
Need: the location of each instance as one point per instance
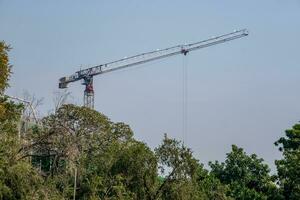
(78, 153)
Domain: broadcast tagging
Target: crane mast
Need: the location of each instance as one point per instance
(87, 74)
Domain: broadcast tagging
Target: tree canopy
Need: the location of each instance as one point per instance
(247, 176)
(4, 66)
(289, 167)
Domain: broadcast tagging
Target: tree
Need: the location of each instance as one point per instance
(123, 170)
(246, 175)
(138, 165)
(18, 179)
(288, 168)
(68, 133)
(109, 162)
(4, 66)
(4, 71)
(178, 162)
(211, 187)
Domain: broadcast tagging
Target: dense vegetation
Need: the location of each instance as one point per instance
(79, 151)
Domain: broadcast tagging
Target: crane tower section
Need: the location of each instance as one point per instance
(87, 74)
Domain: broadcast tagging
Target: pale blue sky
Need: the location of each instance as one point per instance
(244, 92)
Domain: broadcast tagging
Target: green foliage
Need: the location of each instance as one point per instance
(289, 167)
(247, 176)
(210, 186)
(185, 177)
(138, 165)
(110, 163)
(9, 117)
(178, 162)
(18, 179)
(4, 66)
(177, 157)
(291, 142)
(128, 166)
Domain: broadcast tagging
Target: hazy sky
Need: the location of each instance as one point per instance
(244, 92)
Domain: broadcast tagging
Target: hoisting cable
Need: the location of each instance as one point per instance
(184, 98)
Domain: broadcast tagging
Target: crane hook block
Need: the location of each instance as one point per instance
(184, 51)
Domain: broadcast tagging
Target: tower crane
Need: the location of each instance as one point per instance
(86, 75)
